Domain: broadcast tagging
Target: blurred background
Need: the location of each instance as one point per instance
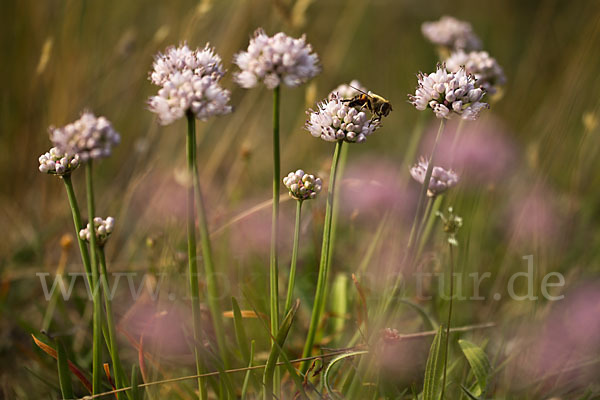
(529, 182)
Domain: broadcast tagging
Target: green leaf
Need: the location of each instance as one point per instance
(135, 390)
(276, 350)
(329, 369)
(249, 372)
(480, 365)
(435, 366)
(468, 393)
(64, 375)
(240, 332)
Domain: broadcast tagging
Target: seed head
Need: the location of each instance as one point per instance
(275, 60)
(452, 223)
(302, 186)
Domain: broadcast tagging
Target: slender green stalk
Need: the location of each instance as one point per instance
(425, 187)
(114, 351)
(323, 266)
(97, 318)
(449, 319)
(209, 266)
(192, 260)
(273, 267)
(292, 279)
(83, 249)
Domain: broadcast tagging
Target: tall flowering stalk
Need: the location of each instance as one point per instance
(448, 94)
(333, 121)
(274, 61)
(85, 140)
(301, 186)
(189, 82)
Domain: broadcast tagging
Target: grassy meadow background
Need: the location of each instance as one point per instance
(529, 183)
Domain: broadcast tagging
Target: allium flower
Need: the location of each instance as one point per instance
(348, 91)
(441, 179)
(302, 186)
(449, 93)
(486, 69)
(184, 91)
(201, 63)
(334, 120)
(102, 227)
(190, 82)
(276, 59)
(451, 33)
(89, 137)
(56, 162)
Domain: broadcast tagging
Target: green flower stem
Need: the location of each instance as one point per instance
(97, 318)
(192, 260)
(423, 193)
(290, 290)
(114, 351)
(273, 267)
(83, 249)
(449, 319)
(209, 266)
(323, 266)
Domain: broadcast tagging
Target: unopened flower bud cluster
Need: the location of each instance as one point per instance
(189, 81)
(102, 227)
(452, 223)
(58, 163)
(440, 181)
(449, 94)
(89, 137)
(276, 60)
(302, 186)
(334, 120)
(487, 71)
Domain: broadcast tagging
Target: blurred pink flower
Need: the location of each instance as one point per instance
(534, 216)
(373, 186)
(482, 154)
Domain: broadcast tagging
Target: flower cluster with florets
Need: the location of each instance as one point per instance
(276, 60)
(440, 181)
(102, 227)
(348, 91)
(56, 162)
(334, 120)
(89, 137)
(487, 71)
(451, 33)
(302, 186)
(189, 82)
(449, 94)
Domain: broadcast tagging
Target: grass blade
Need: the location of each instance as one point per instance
(434, 367)
(249, 372)
(478, 360)
(64, 376)
(240, 332)
(135, 378)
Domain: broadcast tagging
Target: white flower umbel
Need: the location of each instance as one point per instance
(302, 186)
(449, 94)
(184, 91)
(334, 120)
(487, 71)
(276, 60)
(441, 179)
(103, 229)
(56, 162)
(201, 63)
(348, 91)
(451, 33)
(89, 137)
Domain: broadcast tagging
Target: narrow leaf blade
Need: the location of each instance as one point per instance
(479, 362)
(435, 366)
